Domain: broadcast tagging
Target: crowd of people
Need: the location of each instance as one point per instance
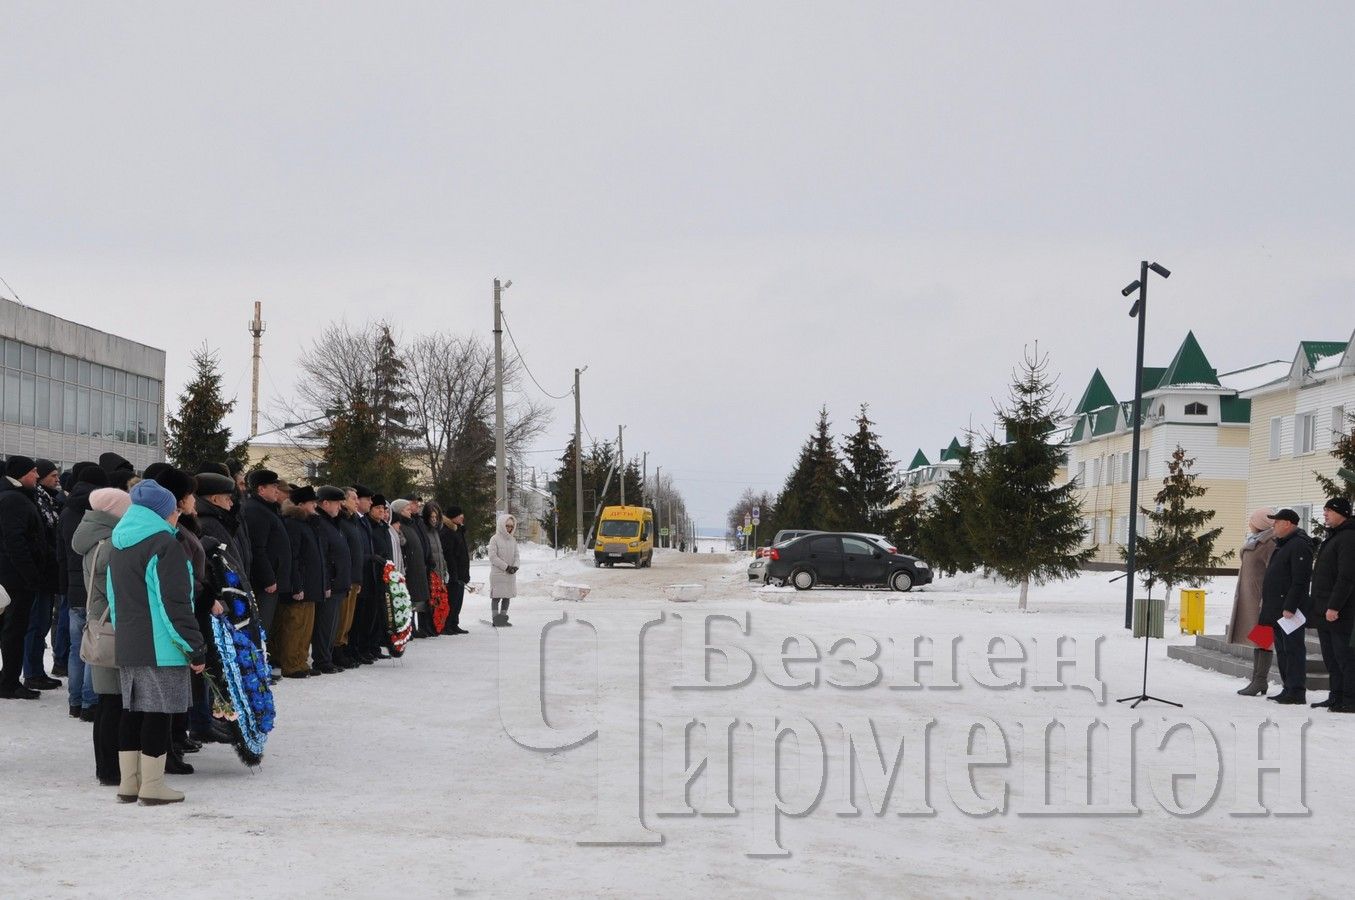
(124, 573)
(1288, 583)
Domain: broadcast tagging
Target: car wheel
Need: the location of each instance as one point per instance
(901, 581)
(597, 564)
(802, 579)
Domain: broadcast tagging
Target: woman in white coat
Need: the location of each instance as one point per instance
(503, 568)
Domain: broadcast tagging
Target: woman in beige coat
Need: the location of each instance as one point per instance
(503, 568)
(1251, 569)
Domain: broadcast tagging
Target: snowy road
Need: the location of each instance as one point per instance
(402, 778)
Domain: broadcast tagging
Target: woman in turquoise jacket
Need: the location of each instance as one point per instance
(157, 641)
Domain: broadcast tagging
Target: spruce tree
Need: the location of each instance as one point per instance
(198, 434)
(1177, 550)
(945, 539)
(870, 482)
(1343, 485)
(813, 496)
(366, 433)
(908, 524)
(358, 451)
(390, 392)
(565, 498)
(1025, 527)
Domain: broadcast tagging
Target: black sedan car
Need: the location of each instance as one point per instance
(840, 558)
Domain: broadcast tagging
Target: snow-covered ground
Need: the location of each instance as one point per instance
(416, 777)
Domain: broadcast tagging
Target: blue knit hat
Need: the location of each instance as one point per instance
(153, 497)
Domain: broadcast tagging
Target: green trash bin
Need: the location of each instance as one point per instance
(1149, 616)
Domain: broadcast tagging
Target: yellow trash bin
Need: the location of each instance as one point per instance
(1192, 612)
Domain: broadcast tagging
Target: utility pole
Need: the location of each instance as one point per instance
(658, 503)
(621, 461)
(644, 478)
(578, 462)
(256, 328)
(500, 451)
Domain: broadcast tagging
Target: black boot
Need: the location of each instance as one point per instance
(1332, 699)
(1260, 674)
(174, 764)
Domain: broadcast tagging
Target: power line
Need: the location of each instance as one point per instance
(525, 368)
(12, 291)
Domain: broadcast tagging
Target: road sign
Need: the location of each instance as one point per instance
(757, 515)
(747, 519)
(748, 529)
(663, 532)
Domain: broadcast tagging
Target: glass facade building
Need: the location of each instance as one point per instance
(69, 392)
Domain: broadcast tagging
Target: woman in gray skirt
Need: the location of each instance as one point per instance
(150, 600)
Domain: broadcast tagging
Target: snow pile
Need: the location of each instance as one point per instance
(565, 590)
(683, 593)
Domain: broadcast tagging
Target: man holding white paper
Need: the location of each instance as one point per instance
(1284, 593)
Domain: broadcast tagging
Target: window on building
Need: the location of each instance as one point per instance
(312, 470)
(1305, 433)
(1113, 469)
(1276, 427)
(1122, 530)
(27, 398)
(1081, 475)
(119, 430)
(1305, 513)
(11, 395)
(1096, 471)
(82, 411)
(1143, 465)
(43, 408)
(1338, 423)
(1196, 409)
(1125, 468)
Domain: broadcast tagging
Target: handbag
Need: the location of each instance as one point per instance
(96, 642)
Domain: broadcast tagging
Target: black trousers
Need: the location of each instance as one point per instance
(369, 622)
(13, 631)
(145, 731)
(1291, 656)
(326, 623)
(107, 722)
(1339, 658)
(456, 597)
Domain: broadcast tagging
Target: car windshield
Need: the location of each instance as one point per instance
(620, 528)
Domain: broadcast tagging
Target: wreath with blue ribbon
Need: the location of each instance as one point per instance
(244, 702)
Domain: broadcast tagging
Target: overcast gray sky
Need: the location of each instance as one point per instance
(731, 212)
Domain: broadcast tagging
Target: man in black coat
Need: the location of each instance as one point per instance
(368, 634)
(1331, 609)
(347, 520)
(1284, 595)
(457, 552)
(340, 576)
(295, 620)
(50, 613)
(383, 547)
(270, 570)
(26, 568)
